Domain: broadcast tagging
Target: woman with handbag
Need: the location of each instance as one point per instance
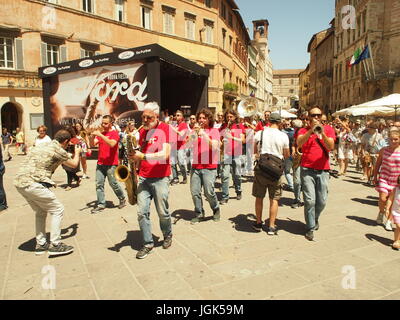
(345, 147)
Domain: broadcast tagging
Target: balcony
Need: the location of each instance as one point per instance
(230, 90)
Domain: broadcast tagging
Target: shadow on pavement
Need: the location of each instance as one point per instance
(93, 204)
(365, 201)
(242, 222)
(291, 226)
(365, 221)
(186, 215)
(286, 202)
(354, 181)
(134, 240)
(385, 241)
(31, 244)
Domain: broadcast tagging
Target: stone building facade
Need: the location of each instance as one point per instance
(286, 87)
(208, 32)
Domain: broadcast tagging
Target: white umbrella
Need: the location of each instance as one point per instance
(364, 111)
(284, 114)
(392, 100)
(293, 110)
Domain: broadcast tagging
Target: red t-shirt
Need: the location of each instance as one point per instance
(182, 127)
(313, 156)
(233, 147)
(151, 141)
(260, 126)
(204, 157)
(108, 156)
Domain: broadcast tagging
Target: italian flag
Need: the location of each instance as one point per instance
(354, 58)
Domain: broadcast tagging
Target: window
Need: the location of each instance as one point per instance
(87, 53)
(223, 11)
(6, 53)
(223, 39)
(190, 27)
(87, 6)
(208, 3)
(230, 44)
(146, 17)
(209, 30)
(211, 73)
(119, 10)
(36, 120)
(230, 19)
(52, 53)
(168, 23)
(51, 1)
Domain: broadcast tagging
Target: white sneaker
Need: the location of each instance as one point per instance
(388, 225)
(379, 219)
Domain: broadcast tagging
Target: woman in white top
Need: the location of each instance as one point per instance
(42, 137)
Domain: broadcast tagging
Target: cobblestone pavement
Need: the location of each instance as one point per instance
(351, 257)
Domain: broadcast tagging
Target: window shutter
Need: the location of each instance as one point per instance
(19, 53)
(43, 50)
(82, 53)
(63, 53)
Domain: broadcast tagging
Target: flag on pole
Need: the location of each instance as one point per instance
(354, 58)
(364, 55)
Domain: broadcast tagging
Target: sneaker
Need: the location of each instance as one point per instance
(97, 210)
(379, 219)
(239, 196)
(388, 225)
(396, 245)
(85, 176)
(272, 231)
(257, 226)
(144, 252)
(198, 218)
(167, 242)
(60, 249)
(296, 205)
(122, 203)
(68, 188)
(174, 181)
(223, 201)
(310, 235)
(217, 215)
(40, 249)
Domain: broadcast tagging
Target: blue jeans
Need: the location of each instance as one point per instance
(297, 184)
(103, 171)
(315, 194)
(203, 178)
(230, 165)
(3, 199)
(288, 175)
(157, 189)
(178, 158)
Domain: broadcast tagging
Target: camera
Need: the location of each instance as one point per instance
(71, 148)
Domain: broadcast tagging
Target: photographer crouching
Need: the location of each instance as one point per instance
(316, 141)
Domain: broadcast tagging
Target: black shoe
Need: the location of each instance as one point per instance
(272, 231)
(223, 201)
(239, 196)
(167, 242)
(217, 215)
(9, 159)
(41, 249)
(316, 226)
(97, 210)
(174, 181)
(60, 249)
(310, 235)
(143, 253)
(296, 205)
(184, 181)
(122, 203)
(257, 226)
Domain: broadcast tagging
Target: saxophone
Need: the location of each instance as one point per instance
(128, 173)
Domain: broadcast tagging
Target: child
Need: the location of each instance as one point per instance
(394, 202)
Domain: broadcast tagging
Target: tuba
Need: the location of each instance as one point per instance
(127, 174)
(248, 107)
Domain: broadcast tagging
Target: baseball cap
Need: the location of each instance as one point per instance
(275, 117)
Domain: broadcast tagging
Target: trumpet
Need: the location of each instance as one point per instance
(317, 129)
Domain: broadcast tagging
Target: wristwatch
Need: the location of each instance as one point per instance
(144, 156)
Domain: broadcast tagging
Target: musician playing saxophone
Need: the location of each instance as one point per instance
(233, 137)
(154, 173)
(107, 140)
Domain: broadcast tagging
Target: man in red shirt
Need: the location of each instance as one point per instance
(315, 141)
(233, 136)
(178, 156)
(154, 173)
(205, 145)
(263, 123)
(107, 140)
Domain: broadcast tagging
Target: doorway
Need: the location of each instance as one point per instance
(9, 117)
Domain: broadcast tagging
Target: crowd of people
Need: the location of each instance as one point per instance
(211, 148)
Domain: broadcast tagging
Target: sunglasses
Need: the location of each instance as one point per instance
(147, 117)
(315, 115)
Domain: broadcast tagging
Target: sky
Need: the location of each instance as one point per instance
(292, 23)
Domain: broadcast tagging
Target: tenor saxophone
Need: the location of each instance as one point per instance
(127, 174)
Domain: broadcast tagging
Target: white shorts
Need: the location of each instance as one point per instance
(345, 153)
